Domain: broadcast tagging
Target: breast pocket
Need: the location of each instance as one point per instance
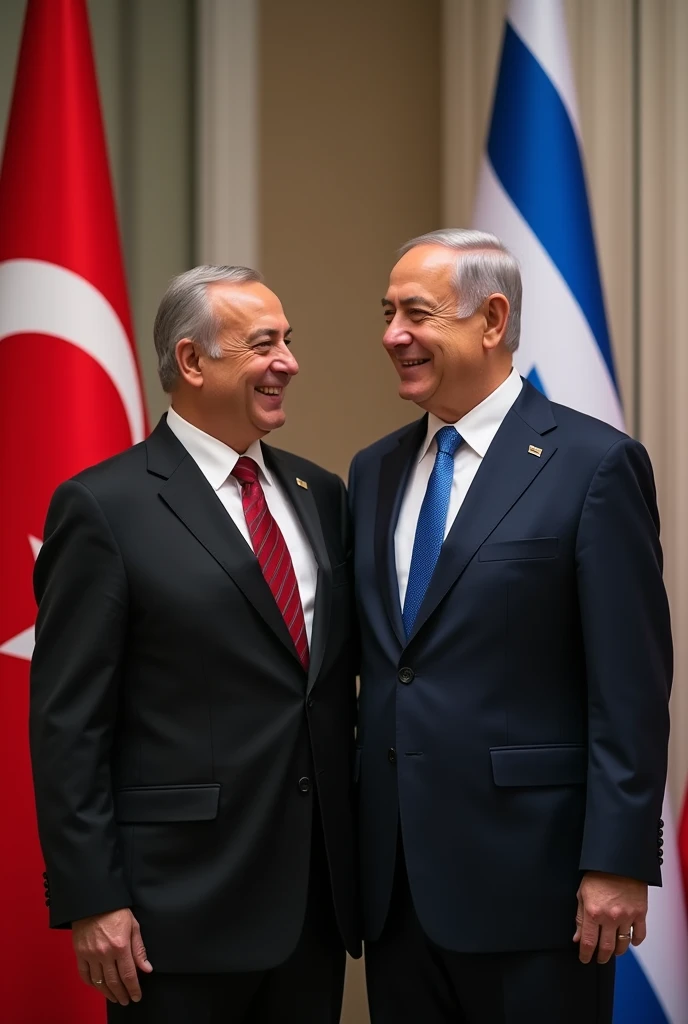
(533, 547)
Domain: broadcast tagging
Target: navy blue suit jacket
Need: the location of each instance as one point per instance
(520, 733)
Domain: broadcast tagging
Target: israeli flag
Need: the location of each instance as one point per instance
(532, 195)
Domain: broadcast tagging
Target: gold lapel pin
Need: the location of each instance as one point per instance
(302, 483)
(532, 450)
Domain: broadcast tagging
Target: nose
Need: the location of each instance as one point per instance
(285, 362)
(396, 335)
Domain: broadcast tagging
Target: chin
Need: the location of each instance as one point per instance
(413, 393)
(268, 423)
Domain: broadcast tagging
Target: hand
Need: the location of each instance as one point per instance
(611, 909)
(109, 948)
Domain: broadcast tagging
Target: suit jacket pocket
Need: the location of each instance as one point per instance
(533, 547)
(154, 804)
(546, 764)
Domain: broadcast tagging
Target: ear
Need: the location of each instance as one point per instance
(188, 362)
(496, 312)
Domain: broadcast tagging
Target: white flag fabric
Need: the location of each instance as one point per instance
(532, 195)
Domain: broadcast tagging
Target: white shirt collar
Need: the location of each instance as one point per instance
(479, 426)
(215, 459)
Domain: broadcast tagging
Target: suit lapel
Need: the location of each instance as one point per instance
(395, 469)
(191, 498)
(304, 505)
(507, 470)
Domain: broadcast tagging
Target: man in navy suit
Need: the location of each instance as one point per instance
(516, 668)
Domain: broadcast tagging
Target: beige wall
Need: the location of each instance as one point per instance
(662, 379)
(350, 168)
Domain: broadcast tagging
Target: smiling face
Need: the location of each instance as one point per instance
(446, 364)
(239, 396)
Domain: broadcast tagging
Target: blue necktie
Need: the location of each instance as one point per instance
(432, 520)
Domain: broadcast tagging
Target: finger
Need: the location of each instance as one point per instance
(139, 950)
(96, 978)
(588, 939)
(623, 941)
(578, 916)
(127, 972)
(639, 930)
(114, 983)
(606, 943)
(84, 970)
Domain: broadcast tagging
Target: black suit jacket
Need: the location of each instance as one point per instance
(177, 745)
(528, 709)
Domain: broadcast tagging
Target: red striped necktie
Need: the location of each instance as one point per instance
(272, 554)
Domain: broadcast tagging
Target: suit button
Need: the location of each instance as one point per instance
(661, 823)
(45, 874)
(309, 702)
(660, 832)
(392, 755)
(406, 676)
(47, 903)
(304, 784)
(660, 859)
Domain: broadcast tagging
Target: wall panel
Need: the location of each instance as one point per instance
(350, 168)
(663, 365)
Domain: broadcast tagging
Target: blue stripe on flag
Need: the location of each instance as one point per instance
(634, 997)
(534, 151)
(534, 379)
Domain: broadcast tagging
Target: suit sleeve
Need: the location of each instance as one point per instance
(627, 640)
(81, 590)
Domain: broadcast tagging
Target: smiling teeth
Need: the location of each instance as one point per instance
(270, 391)
(413, 362)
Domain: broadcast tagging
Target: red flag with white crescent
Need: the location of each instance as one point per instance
(70, 395)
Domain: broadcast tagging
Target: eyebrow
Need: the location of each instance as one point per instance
(270, 332)
(413, 300)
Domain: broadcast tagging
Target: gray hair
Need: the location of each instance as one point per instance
(483, 267)
(186, 312)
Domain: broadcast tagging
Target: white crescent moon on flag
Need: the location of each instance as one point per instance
(44, 298)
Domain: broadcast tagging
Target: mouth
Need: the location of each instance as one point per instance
(408, 364)
(272, 392)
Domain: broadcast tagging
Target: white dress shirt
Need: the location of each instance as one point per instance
(477, 428)
(216, 461)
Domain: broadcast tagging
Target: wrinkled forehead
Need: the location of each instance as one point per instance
(246, 306)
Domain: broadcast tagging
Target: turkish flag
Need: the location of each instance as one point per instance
(70, 395)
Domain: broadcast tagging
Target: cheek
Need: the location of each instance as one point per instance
(225, 382)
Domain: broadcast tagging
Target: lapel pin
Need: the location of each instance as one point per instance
(302, 483)
(532, 450)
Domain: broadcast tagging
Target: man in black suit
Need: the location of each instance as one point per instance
(193, 692)
(516, 666)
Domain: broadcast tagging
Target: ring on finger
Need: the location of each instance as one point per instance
(626, 937)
